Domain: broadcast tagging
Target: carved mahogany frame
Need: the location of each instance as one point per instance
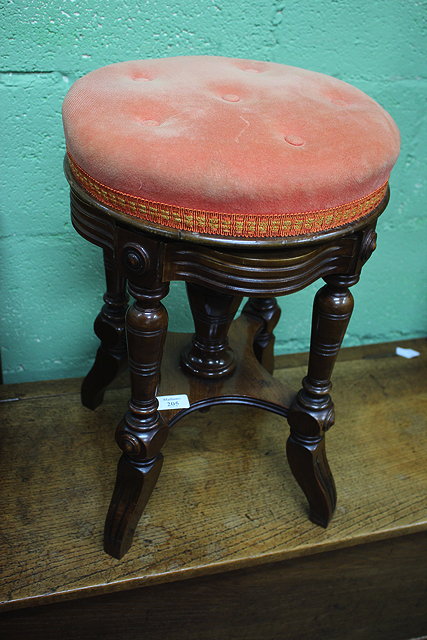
(218, 273)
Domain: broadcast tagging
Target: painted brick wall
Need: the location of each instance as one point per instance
(52, 279)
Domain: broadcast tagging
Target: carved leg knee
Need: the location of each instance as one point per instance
(137, 474)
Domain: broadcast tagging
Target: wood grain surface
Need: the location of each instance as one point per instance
(374, 591)
(226, 498)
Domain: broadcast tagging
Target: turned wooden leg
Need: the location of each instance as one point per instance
(109, 326)
(312, 411)
(267, 310)
(209, 355)
(142, 432)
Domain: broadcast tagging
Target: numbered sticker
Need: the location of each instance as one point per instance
(173, 402)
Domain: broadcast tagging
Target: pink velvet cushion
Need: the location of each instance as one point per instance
(229, 146)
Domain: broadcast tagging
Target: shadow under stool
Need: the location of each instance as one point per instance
(169, 180)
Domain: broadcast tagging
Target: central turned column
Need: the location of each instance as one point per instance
(209, 354)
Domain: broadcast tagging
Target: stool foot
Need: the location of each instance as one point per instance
(310, 467)
(134, 485)
(104, 370)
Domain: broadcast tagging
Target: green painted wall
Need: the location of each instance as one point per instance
(52, 279)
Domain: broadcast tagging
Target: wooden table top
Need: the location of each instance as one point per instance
(225, 499)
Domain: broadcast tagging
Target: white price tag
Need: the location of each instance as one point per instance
(407, 353)
(179, 401)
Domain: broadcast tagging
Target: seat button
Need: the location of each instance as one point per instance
(295, 141)
(231, 97)
(150, 123)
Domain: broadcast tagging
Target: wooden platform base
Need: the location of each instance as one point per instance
(225, 549)
(249, 378)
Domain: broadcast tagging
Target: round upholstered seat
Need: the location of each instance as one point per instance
(229, 147)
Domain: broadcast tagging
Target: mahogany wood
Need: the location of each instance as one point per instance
(312, 412)
(249, 377)
(209, 355)
(217, 278)
(109, 326)
(269, 311)
(143, 431)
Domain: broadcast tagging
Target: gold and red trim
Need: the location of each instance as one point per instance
(228, 224)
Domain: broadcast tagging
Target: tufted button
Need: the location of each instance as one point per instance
(295, 141)
(231, 97)
(150, 123)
